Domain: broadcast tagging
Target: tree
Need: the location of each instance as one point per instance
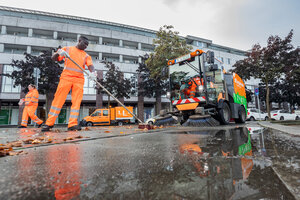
(168, 45)
(49, 74)
(115, 82)
(266, 63)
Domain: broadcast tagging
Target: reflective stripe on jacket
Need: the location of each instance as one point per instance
(80, 57)
(32, 98)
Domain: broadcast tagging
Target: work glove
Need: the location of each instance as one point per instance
(93, 76)
(63, 53)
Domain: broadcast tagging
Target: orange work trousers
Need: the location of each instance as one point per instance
(29, 112)
(60, 96)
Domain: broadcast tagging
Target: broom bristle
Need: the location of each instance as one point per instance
(201, 122)
(165, 121)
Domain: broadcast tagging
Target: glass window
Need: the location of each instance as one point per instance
(7, 82)
(228, 60)
(89, 86)
(97, 113)
(105, 112)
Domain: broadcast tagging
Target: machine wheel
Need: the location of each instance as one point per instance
(150, 123)
(297, 118)
(89, 124)
(120, 123)
(252, 118)
(224, 114)
(281, 118)
(242, 116)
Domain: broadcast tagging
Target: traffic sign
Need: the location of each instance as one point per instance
(256, 91)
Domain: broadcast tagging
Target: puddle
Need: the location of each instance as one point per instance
(234, 163)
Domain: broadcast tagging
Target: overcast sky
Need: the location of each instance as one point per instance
(233, 23)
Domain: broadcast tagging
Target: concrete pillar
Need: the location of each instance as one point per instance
(3, 30)
(30, 32)
(139, 46)
(100, 40)
(122, 98)
(99, 95)
(1, 71)
(28, 49)
(78, 36)
(100, 56)
(55, 35)
(1, 47)
(21, 108)
(140, 105)
(121, 58)
(120, 43)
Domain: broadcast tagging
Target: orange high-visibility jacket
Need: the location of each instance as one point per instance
(32, 98)
(71, 71)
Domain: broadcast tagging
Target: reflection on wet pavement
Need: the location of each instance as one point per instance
(236, 163)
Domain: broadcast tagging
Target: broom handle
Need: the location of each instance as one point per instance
(106, 91)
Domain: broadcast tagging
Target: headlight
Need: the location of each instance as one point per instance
(200, 88)
(169, 95)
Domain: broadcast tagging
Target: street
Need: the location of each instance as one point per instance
(226, 162)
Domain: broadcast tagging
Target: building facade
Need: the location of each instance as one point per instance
(32, 31)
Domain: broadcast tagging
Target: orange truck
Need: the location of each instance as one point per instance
(108, 116)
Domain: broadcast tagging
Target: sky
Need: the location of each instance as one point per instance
(234, 23)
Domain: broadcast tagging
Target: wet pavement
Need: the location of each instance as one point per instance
(170, 163)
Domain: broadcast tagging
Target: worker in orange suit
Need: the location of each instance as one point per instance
(72, 78)
(31, 103)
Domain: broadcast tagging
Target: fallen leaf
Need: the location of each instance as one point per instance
(14, 144)
(106, 131)
(79, 136)
(14, 153)
(36, 141)
(28, 141)
(68, 138)
(87, 129)
(121, 132)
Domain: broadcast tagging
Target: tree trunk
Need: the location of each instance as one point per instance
(99, 94)
(158, 103)
(140, 101)
(268, 99)
(21, 108)
(49, 99)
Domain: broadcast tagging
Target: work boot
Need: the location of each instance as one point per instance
(74, 128)
(46, 128)
(22, 126)
(40, 125)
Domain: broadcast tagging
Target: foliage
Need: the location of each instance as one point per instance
(115, 82)
(149, 86)
(268, 63)
(168, 45)
(23, 75)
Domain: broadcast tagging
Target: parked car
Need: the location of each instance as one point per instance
(253, 114)
(152, 120)
(283, 115)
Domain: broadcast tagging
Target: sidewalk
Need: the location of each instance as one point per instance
(293, 130)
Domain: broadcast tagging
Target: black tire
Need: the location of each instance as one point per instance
(224, 114)
(89, 124)
(252, 118)
(266, 118)
(281, 118)
(297, 118)
(242, 116)
(120, 123)
(150, 123)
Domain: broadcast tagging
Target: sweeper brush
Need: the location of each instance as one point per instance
(201, 121)
(165, 121)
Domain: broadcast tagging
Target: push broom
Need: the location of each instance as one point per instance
(141, 124)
